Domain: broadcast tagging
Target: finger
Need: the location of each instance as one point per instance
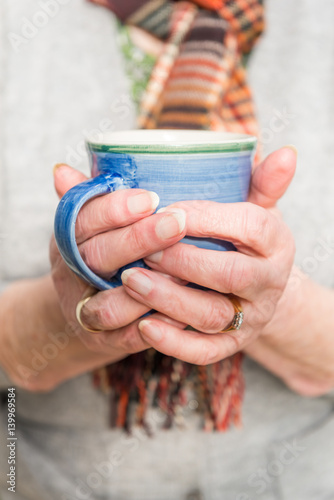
(252, 229)
(113, 309)
(207, 311)
(117, 209)
(272, 177)
(193, 347)
(225, 272)
(111, 250)
(127, 339)
(121, 342)
(65, 178)
(107, 212)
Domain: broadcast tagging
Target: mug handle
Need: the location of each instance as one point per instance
(65, 219)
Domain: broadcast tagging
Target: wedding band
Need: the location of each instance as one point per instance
(78, 310)
(238, 315)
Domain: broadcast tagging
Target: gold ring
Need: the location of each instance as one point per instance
(78, 310)
(238, 315)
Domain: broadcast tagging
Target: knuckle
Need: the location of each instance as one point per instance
(134, 241)
(210, 220)
(251, 276)
(263, 278)
(138, 238)
(238, 275)
(214, 318)
(91, 254)
(99, 314)
(257, 224)
(183, 258)
(262, 313)
(112, 317)
(113, 212)
(178, 260)
(93, 317)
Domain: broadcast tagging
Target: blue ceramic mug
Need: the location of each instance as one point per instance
(178, 165)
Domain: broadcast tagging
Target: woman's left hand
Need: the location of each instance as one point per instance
(257, 275)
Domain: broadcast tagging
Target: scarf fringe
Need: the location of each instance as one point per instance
(215, 391)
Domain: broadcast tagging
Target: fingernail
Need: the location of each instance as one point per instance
(171, 225)
(294, 149)
(137, 281)
(144, 202)
(155, 257)
(150, 330)
(57, 166)
(161, 210)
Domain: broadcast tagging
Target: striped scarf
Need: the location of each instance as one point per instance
(198, 82)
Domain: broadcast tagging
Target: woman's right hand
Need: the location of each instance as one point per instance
(44, 345)
(111, 231)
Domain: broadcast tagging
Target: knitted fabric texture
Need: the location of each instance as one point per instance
(198, 82)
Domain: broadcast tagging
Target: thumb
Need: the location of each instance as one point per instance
(272, 177)
(65, 178)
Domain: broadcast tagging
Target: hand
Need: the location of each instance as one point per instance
(257, 274)
(120, 221)
(47, 305)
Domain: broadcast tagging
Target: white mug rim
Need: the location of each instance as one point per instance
(170, 141)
